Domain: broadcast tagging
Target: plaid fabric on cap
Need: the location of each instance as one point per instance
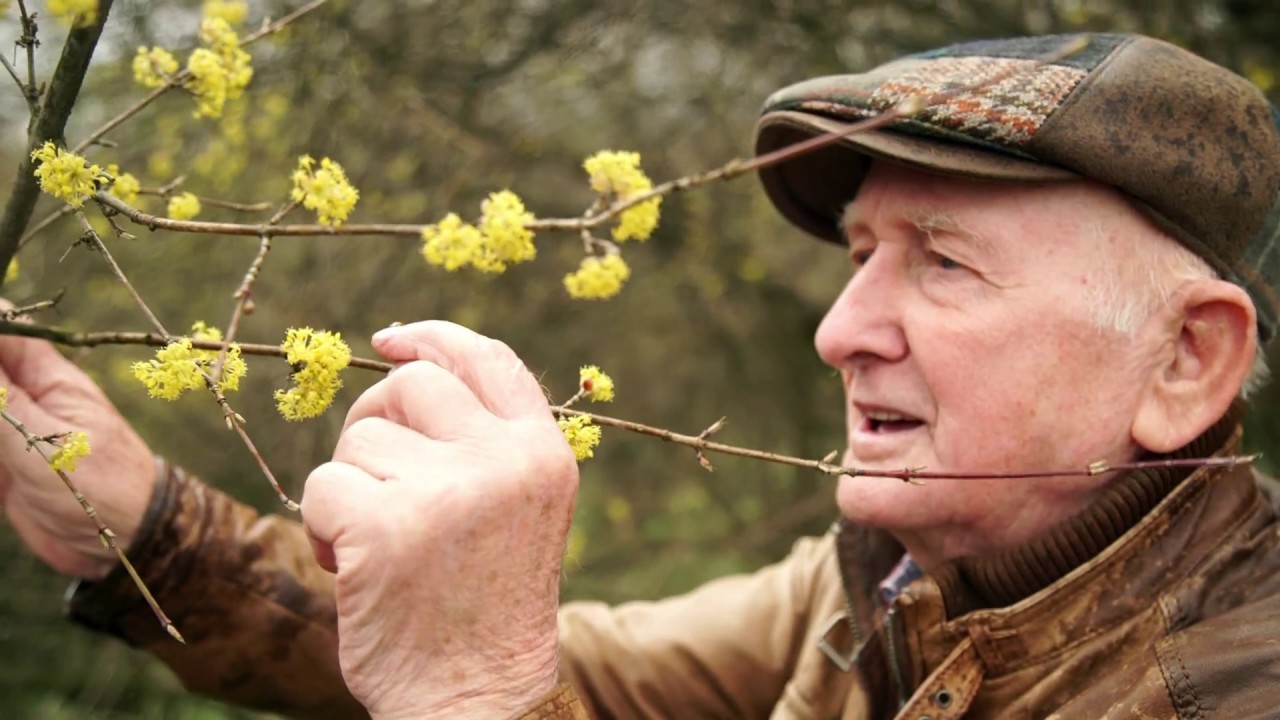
(1195, 146)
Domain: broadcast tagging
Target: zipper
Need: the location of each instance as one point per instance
(845, 583)
(891, 636)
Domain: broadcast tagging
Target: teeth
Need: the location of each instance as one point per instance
(881, 416)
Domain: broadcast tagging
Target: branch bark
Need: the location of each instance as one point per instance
(50, 124)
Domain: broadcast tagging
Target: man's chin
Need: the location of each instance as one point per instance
(886, 503)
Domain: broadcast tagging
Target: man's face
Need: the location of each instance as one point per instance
(966, 341)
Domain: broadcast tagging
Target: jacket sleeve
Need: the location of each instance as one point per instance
(261, 626)
(729, 649)
(256, 611)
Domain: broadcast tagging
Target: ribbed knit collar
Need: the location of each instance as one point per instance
(1002, 579)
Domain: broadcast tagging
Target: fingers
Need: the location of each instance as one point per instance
(423, 397)
(382, 448)
(334, 494)
(37, 367)
(489, 368)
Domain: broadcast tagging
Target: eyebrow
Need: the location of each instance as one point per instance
(927, 222)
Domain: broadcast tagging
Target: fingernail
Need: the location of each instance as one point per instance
(386, 332)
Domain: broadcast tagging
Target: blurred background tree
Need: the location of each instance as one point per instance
(430, 105)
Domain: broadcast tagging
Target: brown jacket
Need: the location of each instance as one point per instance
(1160, 601)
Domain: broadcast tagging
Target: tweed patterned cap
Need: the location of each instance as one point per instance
(1195, 146)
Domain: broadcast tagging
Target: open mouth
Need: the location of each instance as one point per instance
(880, 422)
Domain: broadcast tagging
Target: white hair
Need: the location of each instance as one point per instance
(1121, 301)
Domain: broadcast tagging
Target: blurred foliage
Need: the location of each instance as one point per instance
(430, 105)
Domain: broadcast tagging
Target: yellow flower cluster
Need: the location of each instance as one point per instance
(317, 356)
(219, 72)
(176, 367)
(231, 11)
(126, 186)
(582, 435)
(4, 392)
(451, 243)
(617, 177)
(76, 13)
(171, 372)
(183, 206)
(11, 272)
(326, 190)
(595, 383)
(154, 67)
(233, 367)
(75, 447)
(597, 278)
(65, 175)
(503, 237)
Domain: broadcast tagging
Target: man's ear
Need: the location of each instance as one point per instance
(1212, 337)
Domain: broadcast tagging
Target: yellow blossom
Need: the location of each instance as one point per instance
(65, 175)
(231, 11)
(11, 272)
(451, 243)
(208, 82)
(75, 447)
(183, 206)
(318, 357)
(126, 186)
(233, 367)
(218, 35)
(616, 173)
(595, 383)
(76, 13)
(506, 239)
(638, 222)
(597, 278)
(4, 392)
(617, 177)
(326, 191)
(582, 435)
(219, 72)
(173, 371)
(154, 68)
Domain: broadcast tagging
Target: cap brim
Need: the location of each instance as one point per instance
(811, 190)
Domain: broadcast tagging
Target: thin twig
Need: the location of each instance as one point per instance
(91, 236)
(30, 40)
(233, 419)
(48, 220)
(14, 313)
(593, 218)
(71, 338)
(105, 534)
(185, 75)
(211, 202)
(244, 294)
(698, 442)
(32, 104)
(906, 474)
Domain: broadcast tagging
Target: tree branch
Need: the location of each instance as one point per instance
(50, 124)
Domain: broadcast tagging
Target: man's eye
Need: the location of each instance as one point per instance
(945, 262)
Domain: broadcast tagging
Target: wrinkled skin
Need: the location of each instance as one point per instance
(987, 346)
(49, 394)
(967, 325)
(444, 513)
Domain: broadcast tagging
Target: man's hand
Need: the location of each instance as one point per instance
(444, 513)
(51, 395)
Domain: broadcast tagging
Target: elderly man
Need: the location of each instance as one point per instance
(1062, 264)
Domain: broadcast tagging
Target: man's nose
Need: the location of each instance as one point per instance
(865, 321)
